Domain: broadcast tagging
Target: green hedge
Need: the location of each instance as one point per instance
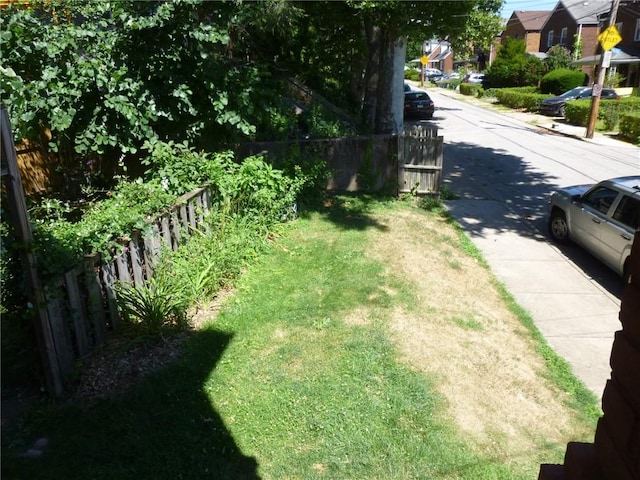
(451, 84)
(520, 98)
(610, 112)
(412, 75)
(562, 79)
(471, 89)
(630, 127)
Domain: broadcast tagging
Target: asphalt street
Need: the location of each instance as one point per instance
(502, 166)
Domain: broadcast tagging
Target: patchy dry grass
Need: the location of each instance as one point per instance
(460, 330)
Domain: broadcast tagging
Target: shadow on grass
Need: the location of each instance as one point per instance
(165, 428)
(501, 192)
(350, 211)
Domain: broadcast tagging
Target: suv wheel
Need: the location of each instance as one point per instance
(558, 228)
(561, 111)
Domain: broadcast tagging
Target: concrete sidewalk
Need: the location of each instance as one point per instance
(573, 312)
(576, 315)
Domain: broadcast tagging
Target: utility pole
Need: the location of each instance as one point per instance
(604, 63)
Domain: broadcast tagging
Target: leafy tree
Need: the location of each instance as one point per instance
(97, 79)
(558, 57)
(513, 67)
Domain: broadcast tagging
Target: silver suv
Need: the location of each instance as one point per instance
(602, 218)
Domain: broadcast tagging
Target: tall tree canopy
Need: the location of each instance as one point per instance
(100, 78)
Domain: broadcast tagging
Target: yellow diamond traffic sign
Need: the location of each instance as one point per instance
(609, 38)
(424, 60)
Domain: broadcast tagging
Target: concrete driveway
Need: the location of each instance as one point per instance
(573, 300)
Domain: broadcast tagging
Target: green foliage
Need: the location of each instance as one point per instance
(450, 84)
(613, 79)
(560, 80)
(610, 112)
(215, 254)
(412, 74)
(519, 98)
(513, 67)
(60, 243)
(558, 57)
(158, 305)
(471, 89)
(630, 127)
(321, 124)
(127, 73)
(178, 169)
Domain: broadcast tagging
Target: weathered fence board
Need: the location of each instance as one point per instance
(420, 161)
(78, 312)
(81, 307)
(56, 310)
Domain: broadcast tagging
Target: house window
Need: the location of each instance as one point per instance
(550, 39)
(563, 36)
(636, 36)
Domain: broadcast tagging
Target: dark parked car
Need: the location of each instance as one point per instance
(555, 105)
(418, 104)
(602, 218)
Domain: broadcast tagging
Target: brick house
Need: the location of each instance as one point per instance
(440, 55)
(625, 59)
(526, 25)
(571, 20)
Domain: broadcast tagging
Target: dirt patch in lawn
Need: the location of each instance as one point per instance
(460, 332)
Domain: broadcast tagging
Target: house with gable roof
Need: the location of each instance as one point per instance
(625, 56)
(572, 22)
(526, 25)
(579, 19)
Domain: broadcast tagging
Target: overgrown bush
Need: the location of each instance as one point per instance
(558, 57)
(560, 80)
(60, 243)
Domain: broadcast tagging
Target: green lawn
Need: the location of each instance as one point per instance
(279, 386)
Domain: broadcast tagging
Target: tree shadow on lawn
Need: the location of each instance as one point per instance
(165, 427)
(499, 192)
(350, 211)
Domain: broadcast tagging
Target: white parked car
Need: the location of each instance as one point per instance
(602, 218)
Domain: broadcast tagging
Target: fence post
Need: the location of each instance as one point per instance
(18, 211)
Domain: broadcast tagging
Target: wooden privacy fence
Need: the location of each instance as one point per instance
(407, 163)
(362, 163)
(420, 156)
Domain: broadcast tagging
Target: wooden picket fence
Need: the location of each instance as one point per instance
(81, 305)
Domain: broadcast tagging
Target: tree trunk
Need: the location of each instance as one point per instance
(357, 74)
(372, 33)
(384, 106)
(397, 91)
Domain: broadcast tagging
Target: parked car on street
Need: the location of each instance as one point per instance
(602, 218)
(554, 106)
(474, 78)
(418, 104)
